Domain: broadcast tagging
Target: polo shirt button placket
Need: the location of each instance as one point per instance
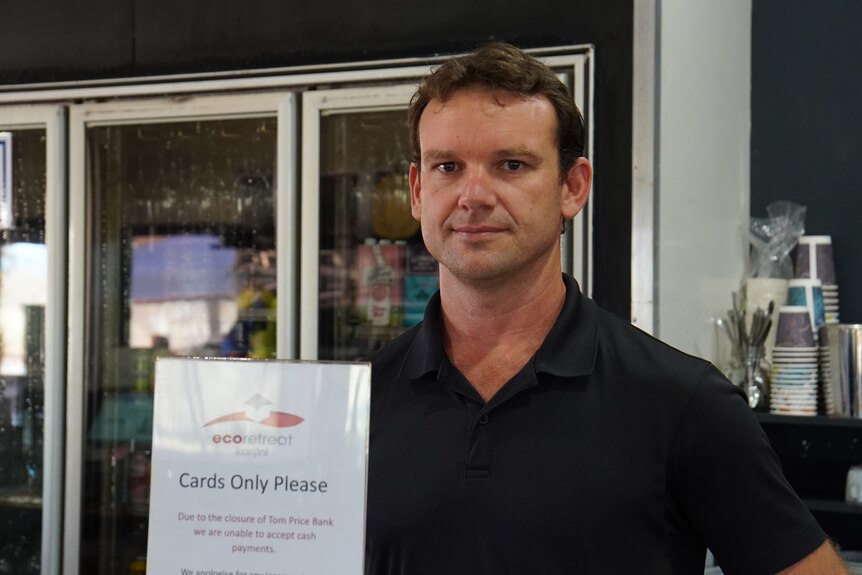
(478, 460)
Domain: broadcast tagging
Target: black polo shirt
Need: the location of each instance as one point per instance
(609, 452)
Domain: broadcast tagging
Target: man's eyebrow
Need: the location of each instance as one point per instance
(431, 155)
(519, 152)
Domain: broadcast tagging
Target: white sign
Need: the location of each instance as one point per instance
(259, 467)
(5, 180)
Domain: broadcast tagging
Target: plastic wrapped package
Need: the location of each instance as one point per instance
(773, 239)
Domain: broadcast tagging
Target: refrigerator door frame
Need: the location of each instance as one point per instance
(53, 120)
(574, 69)
(314, 104)
(280, 105)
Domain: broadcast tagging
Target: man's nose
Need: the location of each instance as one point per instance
(477, 190)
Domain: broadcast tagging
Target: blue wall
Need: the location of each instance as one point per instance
(806, 141)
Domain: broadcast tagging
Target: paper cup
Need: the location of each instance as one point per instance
(814, 259)
(793, 328)
(808, 293)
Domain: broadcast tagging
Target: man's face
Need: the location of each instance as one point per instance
(488, 190)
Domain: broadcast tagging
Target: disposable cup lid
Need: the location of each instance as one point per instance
(815, 239)
(792, 309)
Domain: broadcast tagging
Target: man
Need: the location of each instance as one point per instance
(520, 429)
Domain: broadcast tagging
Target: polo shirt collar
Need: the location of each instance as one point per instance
(426, 352)
(569, 349)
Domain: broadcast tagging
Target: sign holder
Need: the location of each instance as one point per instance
(259, 467)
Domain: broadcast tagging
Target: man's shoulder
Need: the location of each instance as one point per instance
(391, 356)
(622, 338)
(586, 323)
(637, 360)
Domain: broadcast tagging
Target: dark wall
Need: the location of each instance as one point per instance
(66, 40)
(806, 140)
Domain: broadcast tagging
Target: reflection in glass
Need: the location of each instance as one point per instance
(375, 274)
(23, 294)
(182, 262)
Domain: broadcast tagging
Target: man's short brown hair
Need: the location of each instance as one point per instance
(500, 66)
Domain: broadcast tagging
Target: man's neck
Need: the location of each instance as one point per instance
(491, 333)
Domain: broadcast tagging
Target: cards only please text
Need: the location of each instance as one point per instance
(239, 482)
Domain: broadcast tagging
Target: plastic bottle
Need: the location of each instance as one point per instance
(376, 277)
(380, 287)
(420, 282)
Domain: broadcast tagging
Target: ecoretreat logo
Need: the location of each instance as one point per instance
(259, 411)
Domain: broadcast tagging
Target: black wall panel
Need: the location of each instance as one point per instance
(46, 40)
(806, 125)
(174, 34)
(104, 39)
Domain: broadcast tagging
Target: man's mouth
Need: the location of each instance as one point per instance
(477, 230)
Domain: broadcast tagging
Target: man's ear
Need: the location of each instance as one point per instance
(415, 189)
(575, 188)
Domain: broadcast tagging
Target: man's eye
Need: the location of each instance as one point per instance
(513, 165)
(446, 167)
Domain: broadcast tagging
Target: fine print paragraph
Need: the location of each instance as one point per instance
(252, 534)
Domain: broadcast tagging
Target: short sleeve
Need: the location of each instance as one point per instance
(728, 483)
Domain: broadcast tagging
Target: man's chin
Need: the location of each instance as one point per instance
(479, 270)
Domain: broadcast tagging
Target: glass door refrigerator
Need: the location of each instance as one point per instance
(180, 217)
(32, 337)
(189, 235)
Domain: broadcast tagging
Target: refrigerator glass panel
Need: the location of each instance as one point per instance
(23, 295)
(182, 261)
(375, 274)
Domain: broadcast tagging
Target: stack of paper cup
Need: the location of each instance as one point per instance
(814, 261)
(794, 374)
(808, 293)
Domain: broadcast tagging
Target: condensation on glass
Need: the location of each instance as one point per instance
(375, 274)
(23, 295)
(182, 262)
